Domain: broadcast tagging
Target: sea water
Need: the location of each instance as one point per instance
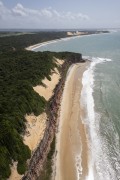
(101, 100)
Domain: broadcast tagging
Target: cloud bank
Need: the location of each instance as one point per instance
(22, 17)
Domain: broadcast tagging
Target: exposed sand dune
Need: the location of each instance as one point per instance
(77, 33)
(36, 124)
(35, 130)
(50, 85)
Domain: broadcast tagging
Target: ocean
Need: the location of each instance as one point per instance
(100, 98)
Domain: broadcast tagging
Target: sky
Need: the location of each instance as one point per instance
(62, 14)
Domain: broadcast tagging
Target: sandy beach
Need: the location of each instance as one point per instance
(71, 148)
(33, 47)
(70, 35)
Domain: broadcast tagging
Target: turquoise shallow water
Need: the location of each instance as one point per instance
(101, 99)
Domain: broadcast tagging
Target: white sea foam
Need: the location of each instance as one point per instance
(45, 44)
(78, 166)
(99, 166)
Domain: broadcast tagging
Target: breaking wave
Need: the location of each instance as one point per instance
(101, 167)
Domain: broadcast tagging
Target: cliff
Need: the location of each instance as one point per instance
(40, 155)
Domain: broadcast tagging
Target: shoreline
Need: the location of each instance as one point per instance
(38, 45)
(35, 46)
(70, 133)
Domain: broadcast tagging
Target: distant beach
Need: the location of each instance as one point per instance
(33, 47)
(70, 36)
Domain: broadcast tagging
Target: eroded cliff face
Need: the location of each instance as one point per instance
(40, 155)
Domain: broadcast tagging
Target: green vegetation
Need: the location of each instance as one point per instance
(25, 40)
(20, 70)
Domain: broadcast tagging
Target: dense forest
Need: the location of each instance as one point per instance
(20, 70)
(24, 40)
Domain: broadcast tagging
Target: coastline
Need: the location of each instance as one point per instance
(38, 45)
(35, 46)
(71, 137)
(48, 98)
(35, 147)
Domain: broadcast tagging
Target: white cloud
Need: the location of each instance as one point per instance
(42, 18)
(4, 12)
(1, 4)
(83, 16)
(47, 13)
(19, 10)
(57, 14)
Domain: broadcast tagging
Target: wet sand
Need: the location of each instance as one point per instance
(72, 150)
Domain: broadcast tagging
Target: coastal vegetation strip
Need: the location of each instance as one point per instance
(20, 70)
(36, 125)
